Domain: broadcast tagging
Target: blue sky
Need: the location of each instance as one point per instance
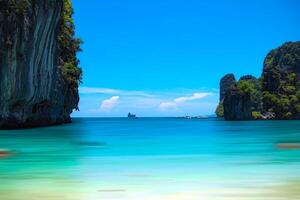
(165, 57)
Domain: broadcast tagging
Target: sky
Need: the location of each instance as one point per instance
(166, 57)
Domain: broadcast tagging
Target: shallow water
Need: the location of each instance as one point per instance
(152, 159)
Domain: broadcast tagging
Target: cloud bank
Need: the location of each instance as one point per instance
(173, 102)
(109, 104)
(177, 101)
(111, 91)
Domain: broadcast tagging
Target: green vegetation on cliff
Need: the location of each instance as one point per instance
(220, 110)
(39, 69)
(242, 100)
(69, 46)
(280, 81)
(275, 95)
(252, 87)
(16, 6)
(256, 115)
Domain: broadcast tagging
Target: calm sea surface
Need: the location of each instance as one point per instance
(152, 159)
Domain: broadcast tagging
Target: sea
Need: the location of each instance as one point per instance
(152, 159)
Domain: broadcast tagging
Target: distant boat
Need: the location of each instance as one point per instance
(194, 117)
(131, 116)
(200, 117)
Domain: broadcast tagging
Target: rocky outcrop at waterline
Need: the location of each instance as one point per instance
(39, 73)
(275, 95)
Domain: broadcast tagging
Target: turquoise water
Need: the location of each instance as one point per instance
(152, 158)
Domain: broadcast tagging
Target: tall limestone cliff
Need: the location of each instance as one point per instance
(276, 95)
(39, 73)
(281, 81)
(227, 82)
(242, 100)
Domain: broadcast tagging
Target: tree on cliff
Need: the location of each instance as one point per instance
(275, 95)
(69, 46)
(281, 81)
(39, 69)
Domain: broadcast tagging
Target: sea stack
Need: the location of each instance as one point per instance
(39, 73)
(274, 95)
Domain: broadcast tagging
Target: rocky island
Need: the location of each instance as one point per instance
(39, 72)
(274, 95)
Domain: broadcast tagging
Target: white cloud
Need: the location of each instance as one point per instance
(167, 105)
(88, 90)
(110, 103)
(193, 97)
(173, 104)
(111, 91)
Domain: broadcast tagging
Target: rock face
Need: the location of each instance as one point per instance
(281, 81)
(276, 95)
(33, 88)
(279, 63)
(248, 77)
(226, 83)
(242, 99)
(237, 105)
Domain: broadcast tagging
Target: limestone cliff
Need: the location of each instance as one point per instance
(243, 99)
(38, 74)
(227, 82)
(281, 81)
(276, 95)
(237, 105)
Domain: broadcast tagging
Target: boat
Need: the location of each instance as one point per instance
(194, 117)
(131, 116)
